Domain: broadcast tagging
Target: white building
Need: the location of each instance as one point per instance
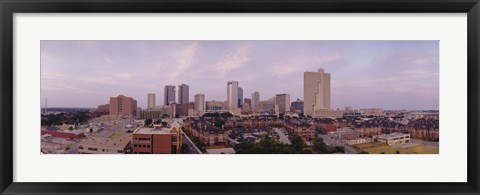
(255, 100)
(232, 95)
(283, 102)
(316, 91)
(355, 141)
(200, 103)
(151, 100)
(394, 139)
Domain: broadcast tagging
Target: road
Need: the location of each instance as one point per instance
(192, 148)
(283, 138)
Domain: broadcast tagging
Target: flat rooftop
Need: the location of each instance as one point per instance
(392, 135)
(150, 130)
(221, 150)
(118, 143)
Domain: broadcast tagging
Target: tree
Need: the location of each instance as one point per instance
(226, 115)
(218, 122)
(339, 149)
(164, 124)
(148, 122)
(319, 145)
(298, 143)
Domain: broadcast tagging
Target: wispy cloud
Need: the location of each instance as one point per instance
(232, 61)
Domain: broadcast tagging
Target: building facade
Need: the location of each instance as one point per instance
(240, 97)
(183, 94)
(169, 95)
(215, 105)
(232, 95)
(267, 107)
(255, 100)
(100, 145)
(122, 105)
(184, 109)
(156, 140)
(151, 100)
(394, 139)
(283, 102)
(104, 108)
(297, 106)
(316, 91)
(200, 103)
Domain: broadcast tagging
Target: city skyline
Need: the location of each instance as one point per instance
(386, 74)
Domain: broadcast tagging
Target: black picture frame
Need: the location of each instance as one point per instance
(10, 7)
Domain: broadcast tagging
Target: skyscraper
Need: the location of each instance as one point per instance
(316, 91)
(151, 100)
(232, 95)
(283, 102)
(200, 103)
(255, 100)
(169, 94)
(183, 94)
(240, 97)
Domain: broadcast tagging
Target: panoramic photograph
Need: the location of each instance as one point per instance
(239, 97)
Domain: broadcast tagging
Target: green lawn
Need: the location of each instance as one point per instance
(378, 147)
(118, 134)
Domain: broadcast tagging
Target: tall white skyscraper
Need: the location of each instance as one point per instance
(283, 102)
(232, 95)
(169, 95)
(316, 91)
(255, 100)
(199, 103)
(151, 100)
(240, 97)
(183, 94)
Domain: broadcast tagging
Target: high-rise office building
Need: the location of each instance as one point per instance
(316, 91)
(283, 102)
(232, 95)
(151, 100)
(169, 95)
(255, 100)
(122, 105)
(183, 94)
(240, 97)
(297, 106)
(200, 103)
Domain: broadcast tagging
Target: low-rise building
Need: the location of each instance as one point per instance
(157, 140)
(100, 145)
(394, 139)
(355, 141)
